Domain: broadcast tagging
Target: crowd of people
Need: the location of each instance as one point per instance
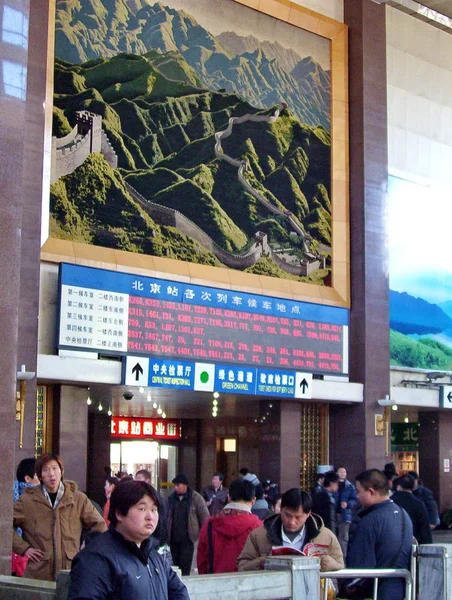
(127, 548)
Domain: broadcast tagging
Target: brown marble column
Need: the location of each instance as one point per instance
(435, 435)
(22, 93)
(279, 443)
(353, 442)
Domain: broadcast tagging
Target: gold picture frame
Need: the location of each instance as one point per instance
(338, 294)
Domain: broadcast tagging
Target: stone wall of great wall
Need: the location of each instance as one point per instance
(70, 151)
(173, 218)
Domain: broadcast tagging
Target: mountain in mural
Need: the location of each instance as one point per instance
(312, 79)
(411, 315)
(263, 74)
(162, 128)
(446, 307)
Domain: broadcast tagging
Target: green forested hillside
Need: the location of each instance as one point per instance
(424, 353)
(163, 133)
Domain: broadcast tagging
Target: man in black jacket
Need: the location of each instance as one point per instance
(426, 496)
(123, 562)
(324, 502)
(414, 507)
(383, 536)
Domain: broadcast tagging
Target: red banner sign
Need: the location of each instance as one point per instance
(139, 428)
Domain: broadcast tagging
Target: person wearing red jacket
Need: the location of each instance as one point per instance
(222, 537)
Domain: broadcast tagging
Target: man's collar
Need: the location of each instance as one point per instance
(238, 506)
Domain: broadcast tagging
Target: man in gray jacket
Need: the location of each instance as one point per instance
(187, 513)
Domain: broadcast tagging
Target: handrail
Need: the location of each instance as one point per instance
(371, 574)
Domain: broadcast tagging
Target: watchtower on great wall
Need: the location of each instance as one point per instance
(70, 151)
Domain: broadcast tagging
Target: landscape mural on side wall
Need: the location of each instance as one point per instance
(420, 274)
(145, 155)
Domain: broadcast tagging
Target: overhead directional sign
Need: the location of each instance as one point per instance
(303, 385)
(446, 396)
(136, 371)
(208, 377)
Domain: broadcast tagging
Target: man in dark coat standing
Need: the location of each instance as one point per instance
(403, 496)
(383, 536)
(324, 502)
(426, 496)
(123, 562)
(187, 513)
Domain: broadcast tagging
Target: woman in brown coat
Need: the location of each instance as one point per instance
(51, 516)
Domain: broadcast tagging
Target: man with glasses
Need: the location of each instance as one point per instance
(294, 531)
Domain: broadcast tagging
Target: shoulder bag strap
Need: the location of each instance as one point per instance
(396, 555)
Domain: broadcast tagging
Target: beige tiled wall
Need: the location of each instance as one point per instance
(419, 63)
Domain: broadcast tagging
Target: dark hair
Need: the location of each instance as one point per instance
(112, 480)
(241, 489)
(275, 499)
(144, 472)
(330, 477)
(259, 492)
(44, 459)
(375, 479)
(406, 482)
(219, 475)
(413, 474)
(243, 471)
(294, 498)
(27, 466)
(128, 493)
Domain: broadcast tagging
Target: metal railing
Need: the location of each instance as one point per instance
(374, 574)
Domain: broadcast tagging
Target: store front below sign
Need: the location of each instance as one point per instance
(143, 444)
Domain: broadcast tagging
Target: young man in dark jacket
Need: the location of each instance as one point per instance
(426, 496)
(324, 502)
(383, 535)
(218, 549)
(346, 502)
(403, 496)
(123, 563)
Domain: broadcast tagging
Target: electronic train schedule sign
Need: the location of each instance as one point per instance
(180, 324)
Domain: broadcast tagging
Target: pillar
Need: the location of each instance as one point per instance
(353, 441)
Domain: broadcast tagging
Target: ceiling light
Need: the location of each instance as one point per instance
(163, 415)
(100, 407)
(141, 389)
(109, 412)
(148, 397)
(159, 410)
(89, 401)
(154, 405)
(216, 395)
(215, 402)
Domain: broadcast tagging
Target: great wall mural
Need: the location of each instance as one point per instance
(163, 144)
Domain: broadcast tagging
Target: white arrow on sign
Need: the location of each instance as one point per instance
(137, 371)
(303, 385)
(446, 396)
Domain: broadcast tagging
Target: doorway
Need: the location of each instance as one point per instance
(159, 459)
(226, 458)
